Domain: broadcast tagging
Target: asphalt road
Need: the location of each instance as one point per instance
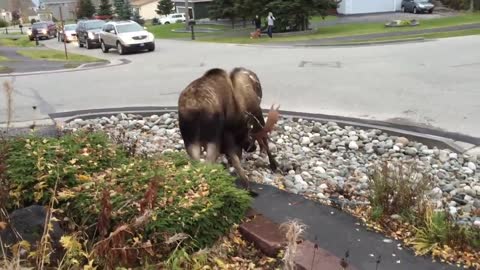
(430, 83)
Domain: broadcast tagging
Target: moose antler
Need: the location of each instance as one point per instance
(262, 135)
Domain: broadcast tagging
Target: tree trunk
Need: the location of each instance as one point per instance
(244, 22)
(472, 5)
(233, 22)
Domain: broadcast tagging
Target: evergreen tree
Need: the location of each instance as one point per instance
(223, 9)
(86, 9)
(127, 10)
(105, 8)
(164, 7)
(119, 8)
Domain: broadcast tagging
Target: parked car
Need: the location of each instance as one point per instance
(126, 36)
(46, 30)
(173, 18)
(417, 6)
(68, 33)
(87, 33)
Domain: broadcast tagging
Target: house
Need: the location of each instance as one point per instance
(147, 8)
(5, 15)
(349, 7)
(69, 8)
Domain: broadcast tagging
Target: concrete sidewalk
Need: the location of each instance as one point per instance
(367, 37)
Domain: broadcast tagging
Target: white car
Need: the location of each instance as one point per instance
(126, 36)
(68, 33)
(173, 18)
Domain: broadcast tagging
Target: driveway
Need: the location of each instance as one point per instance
(416, 83)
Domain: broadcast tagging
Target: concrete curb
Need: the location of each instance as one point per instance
(82, 67)
(457, 142)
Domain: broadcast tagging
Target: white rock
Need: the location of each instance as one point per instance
(467, 170)
(305, 141)
(320, 195)
(298, 179)
(287, 128)
(443, 155)
(437, 193)
(472, 166)
(476, 223)
(396, 148)
(453, 155)
(323, 186)
(353, 145)
(306, 176)
(319, 170)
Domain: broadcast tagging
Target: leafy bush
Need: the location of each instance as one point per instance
(437, 231)
(128, 208)
(155, 21)
(3, 23)
(397, 189)
(461, 4)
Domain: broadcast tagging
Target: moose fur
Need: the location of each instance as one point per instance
(221, 113)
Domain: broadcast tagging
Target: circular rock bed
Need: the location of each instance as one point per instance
(322, 161)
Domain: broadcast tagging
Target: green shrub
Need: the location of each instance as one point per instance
(3, 23)
(100, 191)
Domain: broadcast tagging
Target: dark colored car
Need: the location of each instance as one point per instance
(87, 33)
(42, 30)
(417, 6)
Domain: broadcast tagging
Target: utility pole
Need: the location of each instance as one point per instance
(187, 15)
(63, 32)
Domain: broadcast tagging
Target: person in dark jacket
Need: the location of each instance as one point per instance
(258, 27)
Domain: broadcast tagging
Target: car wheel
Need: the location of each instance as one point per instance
(415, 10)
(167, 23)
(151, 48)
(120, 48)
(430, 11)
(80, 44)
(104, 48)
(87, 45)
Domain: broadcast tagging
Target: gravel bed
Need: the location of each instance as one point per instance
(322, 161)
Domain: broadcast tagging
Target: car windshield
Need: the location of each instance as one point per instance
(70, 27)
(421, 1)
(131, 27)
(39, 25)
(94, 25)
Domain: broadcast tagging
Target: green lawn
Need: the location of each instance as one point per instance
(20, 42)
(54, 55)
(319, 18)
(4, 69)
(356, 29)
(3, 58)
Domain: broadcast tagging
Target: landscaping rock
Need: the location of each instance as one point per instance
(315, 157)
(29, 223)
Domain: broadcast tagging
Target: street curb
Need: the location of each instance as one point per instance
(82, 67)
(429, 136)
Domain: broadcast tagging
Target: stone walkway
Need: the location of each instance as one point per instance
(337, 232)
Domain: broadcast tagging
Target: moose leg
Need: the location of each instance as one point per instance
(194, 150)
(232, 150)
(213, 151)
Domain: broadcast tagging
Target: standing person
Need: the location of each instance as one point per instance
(270, 20)
(258, 27)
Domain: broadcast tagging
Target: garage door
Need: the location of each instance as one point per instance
(369, 6)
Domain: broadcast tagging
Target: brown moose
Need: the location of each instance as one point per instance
(221, 113)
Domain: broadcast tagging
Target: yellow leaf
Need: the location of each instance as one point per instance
(84, 178)
(220, 263)
(73, 161)
(65, 194)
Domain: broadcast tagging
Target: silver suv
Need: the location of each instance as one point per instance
(126, 36)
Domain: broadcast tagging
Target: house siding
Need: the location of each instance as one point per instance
(148, 11)
(348, 7)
